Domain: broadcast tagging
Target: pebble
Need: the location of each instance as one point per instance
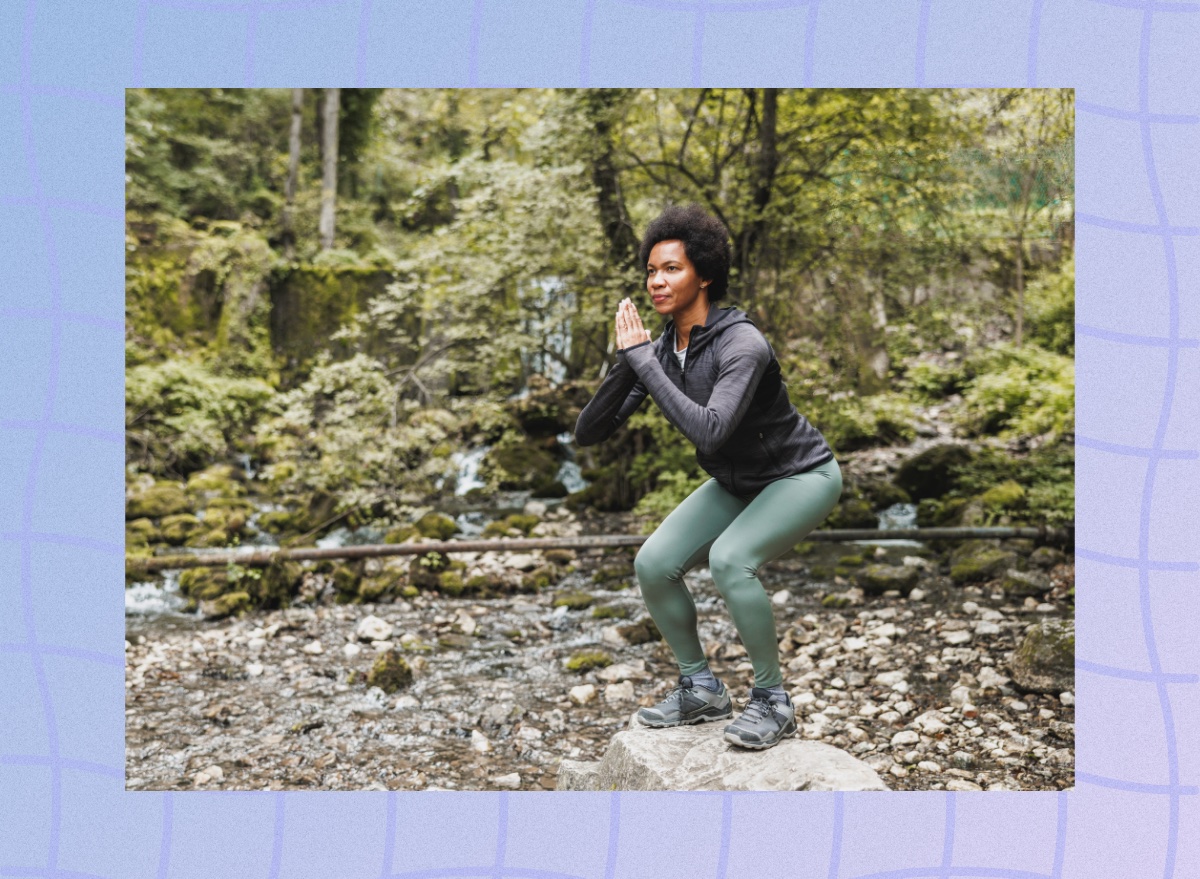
(512, 781)
(1046, 608)
(372, 628)
(313, 647)
(209, 774)
(917, 595)
(961, 784)
(479, 742)
(1067, 698)
(956, 638)
(781, 598)
(254, 669)
(351, 650)
(622, 692)
(406, 701)
(929, 766)
(905, 737)
(582, 694)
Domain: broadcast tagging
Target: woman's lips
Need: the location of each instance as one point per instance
(658, 299)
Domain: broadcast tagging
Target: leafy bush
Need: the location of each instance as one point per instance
(1020, 392)
(1046, 477)
(1050, 309)
(180, 417)
(343, 434)
(852, 422)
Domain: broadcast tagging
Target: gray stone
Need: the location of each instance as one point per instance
(1046, 557)
(877, 579)
(699, 758)
(1023, 583)
(1045, 661)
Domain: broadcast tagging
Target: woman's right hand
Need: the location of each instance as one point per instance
(630, 331)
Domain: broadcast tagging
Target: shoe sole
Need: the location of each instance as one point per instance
(760, 746)
(700, 718)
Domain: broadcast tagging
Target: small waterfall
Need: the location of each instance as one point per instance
(569, 473)
(898, 516)
(467, 469)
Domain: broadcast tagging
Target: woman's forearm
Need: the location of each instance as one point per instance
(616, 399)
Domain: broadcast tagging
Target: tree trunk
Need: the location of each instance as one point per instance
(289, 234)
(1020, 289)
(748, 243)
(602, 109)
(329, 171)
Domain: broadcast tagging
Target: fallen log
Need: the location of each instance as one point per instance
(264, 556)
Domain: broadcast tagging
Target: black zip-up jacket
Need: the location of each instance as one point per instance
(728, 399)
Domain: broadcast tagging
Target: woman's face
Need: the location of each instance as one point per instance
(671, 278)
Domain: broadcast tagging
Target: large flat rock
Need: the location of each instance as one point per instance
(698, 758)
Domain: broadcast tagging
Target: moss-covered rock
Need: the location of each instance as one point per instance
(403, 534)
(436, 526)
(878, 579)
(883, 494)
(280, 522)
(836, 600)
(424, 569)
(560, 557)
(518, 466)
(226, 605)
(549, 488)
(641, 632)
(451, 583)
(516, 525)
(277, 584)
(1046, 557)
(610, 573)
(1045, 660)
(390, 672)
(539, 578)
(852, 512)
(1022, 584)
(178, 528)
(141, 532)
(219, 479)
(977, 560)
(933, 472)
(214, 537)
(574, 600)
(203, 584)
(610, 611)
(228, 519)
(851, 561)
(586, 660)
(159, 500)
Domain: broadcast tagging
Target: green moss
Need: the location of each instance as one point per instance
(178, 528)
(228, 519)
(140, 532)
(559, 556)
(852, 512)
(226, 605)
(436, 526)
(539, 578)
(219, 478)
(574, 600)
(977, 560)
(804, 548)
(1005, 496)
(390, 672)
(451, 583)
(836, 600)
(609, 573)
(215, 537)
(424, 569)
(851, 560)
(161, 499)
(402, 534)
(203, 583)
(610, 611)
(586, 660)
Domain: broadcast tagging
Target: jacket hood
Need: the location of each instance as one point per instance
(718, 321)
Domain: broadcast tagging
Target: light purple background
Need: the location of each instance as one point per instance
(63, 68)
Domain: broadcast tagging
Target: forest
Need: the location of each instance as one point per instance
(373, 316)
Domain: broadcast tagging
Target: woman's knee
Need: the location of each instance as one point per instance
(729, 566)
(652, 565)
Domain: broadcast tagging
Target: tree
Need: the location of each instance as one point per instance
(289, 233)
(329, 175)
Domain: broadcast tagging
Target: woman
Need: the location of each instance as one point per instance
(774, 478)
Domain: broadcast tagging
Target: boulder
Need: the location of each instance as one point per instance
(978, 560)
(699, 758)
(160, 499)
(931, 473)
(1046, 557)
(1020, 584)
(1045, 660)
(878, 579)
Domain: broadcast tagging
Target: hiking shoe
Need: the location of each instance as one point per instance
(688, 704)
(763, 723)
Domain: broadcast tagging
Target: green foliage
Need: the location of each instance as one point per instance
(586, 660)
(343, 434)
(1050, 309)
(1045, 477)
(672, 489)
(180, 416)
(1020, 392)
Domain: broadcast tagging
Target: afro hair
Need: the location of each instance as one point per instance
(705, 241)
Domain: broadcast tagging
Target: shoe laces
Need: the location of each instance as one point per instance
(758, 708)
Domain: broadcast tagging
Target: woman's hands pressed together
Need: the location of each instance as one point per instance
(630, 331)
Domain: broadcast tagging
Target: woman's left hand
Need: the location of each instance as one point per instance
(630, 331)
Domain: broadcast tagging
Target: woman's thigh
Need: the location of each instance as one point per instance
(683, 539)
(781, 515)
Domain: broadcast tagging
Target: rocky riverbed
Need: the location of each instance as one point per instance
(917, 680)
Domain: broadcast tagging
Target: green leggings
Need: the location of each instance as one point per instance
(737, 536)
